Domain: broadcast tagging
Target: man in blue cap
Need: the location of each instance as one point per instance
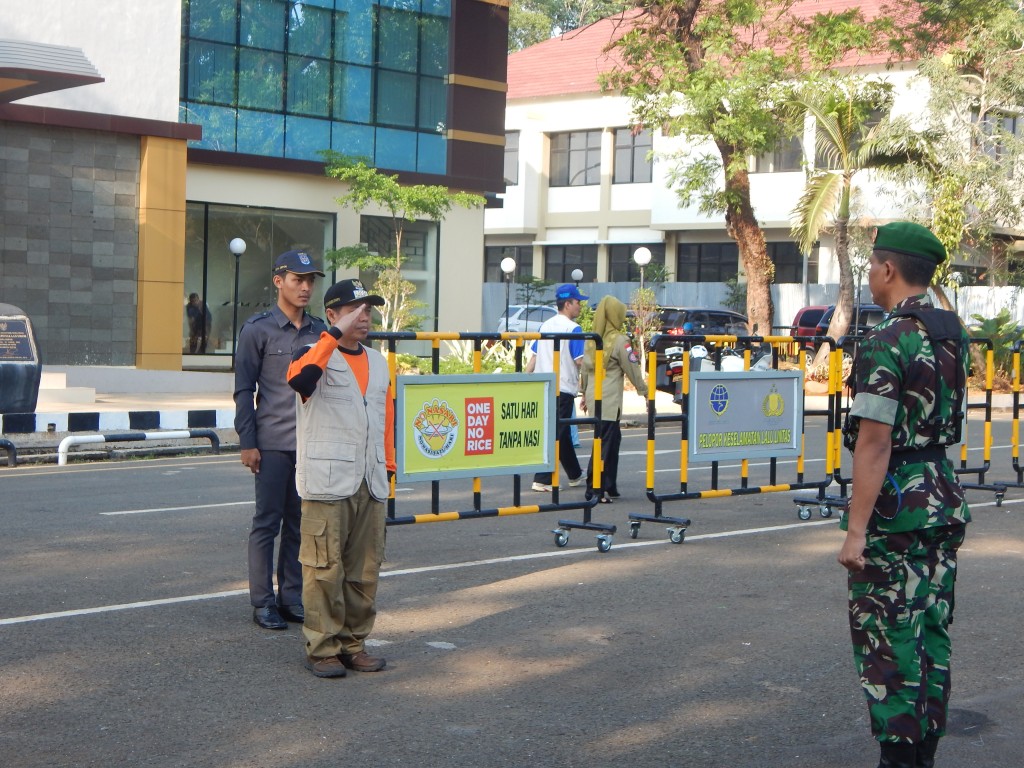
(265, 423)
(568, 300)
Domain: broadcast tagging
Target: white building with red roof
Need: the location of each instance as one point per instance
(584, 192)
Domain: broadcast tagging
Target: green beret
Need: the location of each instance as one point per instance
(910, 239)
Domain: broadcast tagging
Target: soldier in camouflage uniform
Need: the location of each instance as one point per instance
(907, 514)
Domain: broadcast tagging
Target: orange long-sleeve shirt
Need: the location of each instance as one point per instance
(307, 368)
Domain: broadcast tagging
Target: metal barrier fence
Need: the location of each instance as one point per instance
(12, 452)
(604, 531)
(679, 359)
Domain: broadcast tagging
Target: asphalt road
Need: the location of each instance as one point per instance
(126, 639)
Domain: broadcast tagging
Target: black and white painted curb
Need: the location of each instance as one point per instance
(104, 421)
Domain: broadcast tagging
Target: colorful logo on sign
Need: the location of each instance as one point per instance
(436, 427)
(719, 399)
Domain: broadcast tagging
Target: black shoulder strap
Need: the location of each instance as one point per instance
(942, 325)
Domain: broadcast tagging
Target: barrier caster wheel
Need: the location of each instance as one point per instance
(825, 510)
(676, 535)
(634, 529)
(804, 513)
(604, 543)
(561, 537)
(999, 499)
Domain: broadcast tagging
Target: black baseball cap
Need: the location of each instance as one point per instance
(349, 292)
(297, 262)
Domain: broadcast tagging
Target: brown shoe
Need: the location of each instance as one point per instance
(362, 662)
(327, 667)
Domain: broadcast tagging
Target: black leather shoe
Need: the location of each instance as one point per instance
(269, 618)
(293, 613)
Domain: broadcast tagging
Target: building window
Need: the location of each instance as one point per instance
(493, 254)
(561, 260)
(707, 262)
(788, 155)
(632, 156)
(997, 130)
(288, 79)
(622, 268)
(575, 158)
(511, 158)
(789, 263)
(210, 266)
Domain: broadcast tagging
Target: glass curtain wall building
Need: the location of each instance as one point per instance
(286, 80)
(289, 79)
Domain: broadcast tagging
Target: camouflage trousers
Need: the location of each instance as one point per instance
(901, 605)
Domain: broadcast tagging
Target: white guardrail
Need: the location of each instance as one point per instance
(126, 437)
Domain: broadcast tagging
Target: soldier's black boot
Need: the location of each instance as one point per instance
(926, 751)
(897, 755)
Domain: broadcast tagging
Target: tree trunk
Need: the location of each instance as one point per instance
(742, 226)
(840, 323)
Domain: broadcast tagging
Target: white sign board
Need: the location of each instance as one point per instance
(744, 415)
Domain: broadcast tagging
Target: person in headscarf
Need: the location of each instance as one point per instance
(620, 361)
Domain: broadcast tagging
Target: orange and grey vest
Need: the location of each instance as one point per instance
(340, 433)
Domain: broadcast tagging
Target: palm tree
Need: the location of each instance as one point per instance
(848, 140)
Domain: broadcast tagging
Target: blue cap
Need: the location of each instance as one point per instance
(569, 291)
(298, 262)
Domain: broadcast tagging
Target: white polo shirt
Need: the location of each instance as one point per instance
(570, 350)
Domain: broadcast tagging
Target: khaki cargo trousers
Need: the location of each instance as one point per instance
(341, 549)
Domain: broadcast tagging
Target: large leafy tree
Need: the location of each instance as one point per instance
(719, 72)
(965, 180)
(533, 21)
(402, 203)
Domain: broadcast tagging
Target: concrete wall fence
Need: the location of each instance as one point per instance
(789, 298)
(70, 242)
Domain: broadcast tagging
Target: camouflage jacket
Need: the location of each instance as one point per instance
(895, 382)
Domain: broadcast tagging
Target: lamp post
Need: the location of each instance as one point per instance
(642, 257)
(237, 247)
(577, 275)
(508, 266)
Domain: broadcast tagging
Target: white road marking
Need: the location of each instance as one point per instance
(406, 572)
(179, 509)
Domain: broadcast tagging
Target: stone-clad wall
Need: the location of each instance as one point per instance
(69, 238)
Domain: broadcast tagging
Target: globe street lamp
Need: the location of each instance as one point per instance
(642, 257)
(237, 247)
(508, 266)
(577, 275)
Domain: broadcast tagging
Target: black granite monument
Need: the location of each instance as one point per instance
(20, 369)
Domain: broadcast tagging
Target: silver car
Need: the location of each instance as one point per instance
(525, 318)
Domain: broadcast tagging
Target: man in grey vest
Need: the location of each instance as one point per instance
(345, 463)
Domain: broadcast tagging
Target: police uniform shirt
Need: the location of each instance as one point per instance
(266, 344)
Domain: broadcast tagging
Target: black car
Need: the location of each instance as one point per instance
(679, 322)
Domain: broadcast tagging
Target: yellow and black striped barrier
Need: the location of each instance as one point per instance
(777, 347)
(604, 531)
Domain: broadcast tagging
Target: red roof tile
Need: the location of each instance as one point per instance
(571, 63)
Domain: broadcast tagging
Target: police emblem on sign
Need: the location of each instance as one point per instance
(773, 404)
